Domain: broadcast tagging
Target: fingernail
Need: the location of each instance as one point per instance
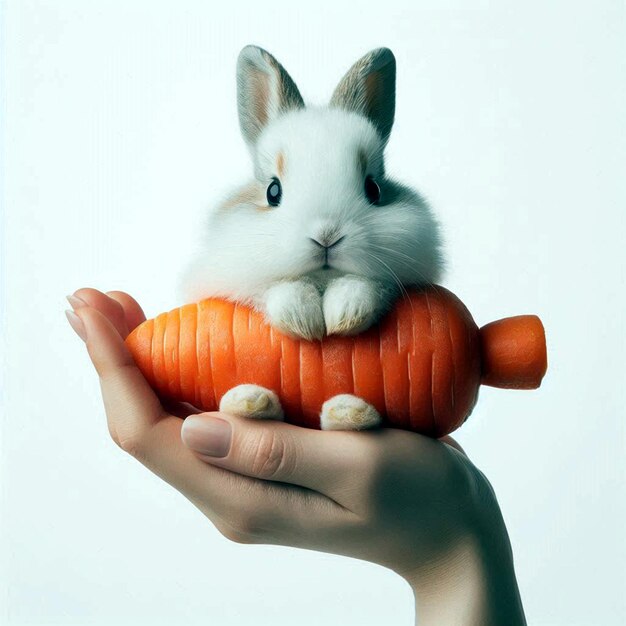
(76, 302)
(207, 435)
(77, 324)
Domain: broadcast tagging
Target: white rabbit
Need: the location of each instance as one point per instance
(320, 240)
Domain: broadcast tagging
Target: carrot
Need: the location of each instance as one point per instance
(420, 366)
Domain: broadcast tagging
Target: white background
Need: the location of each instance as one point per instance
(120, 129)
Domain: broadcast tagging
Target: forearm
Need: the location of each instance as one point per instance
(472, 584)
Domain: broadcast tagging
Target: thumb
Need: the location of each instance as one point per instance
(273, 450)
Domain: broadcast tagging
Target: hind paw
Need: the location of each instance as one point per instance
(252, 401)
(348, 412)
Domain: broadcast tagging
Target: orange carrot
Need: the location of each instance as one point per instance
(420, 366)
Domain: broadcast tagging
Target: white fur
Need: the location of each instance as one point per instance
(351, 304)
(248, 250)
(348, 412)
(264, 256)
(295, 307)
(250, 400)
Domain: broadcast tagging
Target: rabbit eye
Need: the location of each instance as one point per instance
(372, 190)
(274, 192)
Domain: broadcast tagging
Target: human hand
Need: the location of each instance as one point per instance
(411, 503)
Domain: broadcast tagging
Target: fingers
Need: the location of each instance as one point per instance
(137, 421)
(133, 312)
(121, 309)
(256, 511)
(131, 405)
(110, 308)
(248, 509)
(324, 461)
(124, 312)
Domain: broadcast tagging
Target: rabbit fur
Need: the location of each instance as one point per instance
(329, 258)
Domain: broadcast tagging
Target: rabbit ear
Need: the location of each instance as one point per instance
(264, 90)
(369, 88)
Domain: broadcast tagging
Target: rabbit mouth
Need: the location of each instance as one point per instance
(326, 265)
(326, 248)
(326, 261)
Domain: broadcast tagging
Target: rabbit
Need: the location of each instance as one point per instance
(320, 239)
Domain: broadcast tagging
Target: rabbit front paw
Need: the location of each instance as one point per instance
(351, 305)
(295, 308)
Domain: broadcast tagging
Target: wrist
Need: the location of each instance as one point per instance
(472, 583)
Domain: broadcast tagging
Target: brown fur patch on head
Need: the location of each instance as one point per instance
(253, 194)
(280, 164)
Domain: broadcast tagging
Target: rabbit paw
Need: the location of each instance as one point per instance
(348, 412)
(351, 305)
(295, 308)
(252, 401)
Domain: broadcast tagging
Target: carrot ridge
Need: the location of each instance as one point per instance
(420, 366)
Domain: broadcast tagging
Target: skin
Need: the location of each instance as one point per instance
(410, 503)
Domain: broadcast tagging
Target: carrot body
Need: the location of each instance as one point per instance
(420, 366)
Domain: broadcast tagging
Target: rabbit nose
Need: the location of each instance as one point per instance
(328, 234)
(325, 241)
